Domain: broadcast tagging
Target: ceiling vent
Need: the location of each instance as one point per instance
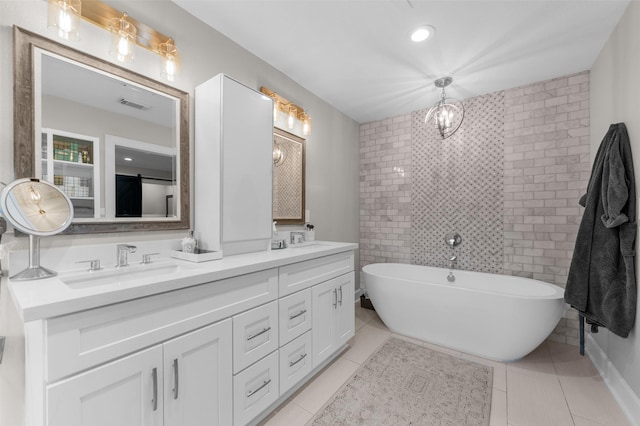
(135, 105)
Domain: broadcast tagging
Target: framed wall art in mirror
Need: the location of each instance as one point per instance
(288, 178)
(79, 122)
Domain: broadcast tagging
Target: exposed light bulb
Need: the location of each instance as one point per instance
(123, 48)
(64, 16)
(171, 60)
(170, 68)
(276, 110)
(35, 197)
(292, 117)
(124, 36)
(64, 22)
(306, 124)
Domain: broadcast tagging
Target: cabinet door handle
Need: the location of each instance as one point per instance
(265, 383)
(340, 300)
(176, 376)
(302, 312)
(264, 330)
(335, 298)
(154, 398)
(292, 363)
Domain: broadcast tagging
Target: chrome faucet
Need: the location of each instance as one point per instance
(453, 262)
(123, 251)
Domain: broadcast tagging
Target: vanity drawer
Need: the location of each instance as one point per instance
(79, 341)
(255, 334)
(295, 315)
(255, 389)
(295, 362)
(298, 276)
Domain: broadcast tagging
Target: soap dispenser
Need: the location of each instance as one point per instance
(189, 244)
(276, 243)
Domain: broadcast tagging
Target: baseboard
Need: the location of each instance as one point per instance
(359, 292)
(623, 394)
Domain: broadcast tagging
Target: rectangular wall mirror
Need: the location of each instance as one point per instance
(288, 178)
(116, 142)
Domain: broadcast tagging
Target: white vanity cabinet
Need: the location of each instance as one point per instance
(333, 316)
(124, 392)
(233, 166)
(222, 350)
(184, 381)
(197, 379)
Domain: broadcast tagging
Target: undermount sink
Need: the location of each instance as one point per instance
(124, 275)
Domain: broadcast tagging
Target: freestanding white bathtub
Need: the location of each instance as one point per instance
(498, 317)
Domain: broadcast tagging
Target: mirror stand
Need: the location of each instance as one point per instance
(37, 208)
(34, 271)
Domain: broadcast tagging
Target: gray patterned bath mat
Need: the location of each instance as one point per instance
(406, 384)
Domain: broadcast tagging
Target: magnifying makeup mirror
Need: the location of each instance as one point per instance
(36, 208)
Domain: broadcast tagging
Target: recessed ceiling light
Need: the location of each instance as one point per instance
(128, 159)
(422, 33)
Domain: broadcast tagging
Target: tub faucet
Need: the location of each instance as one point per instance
(123, 250)
(453, 262)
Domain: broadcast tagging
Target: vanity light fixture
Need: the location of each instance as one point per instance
(276, 110)
(291, 118)
(64, 16)
(447, 114)
(422, 33)
(306, 123)
(124, 35)
(170, 59)
(293, 112)
(126, 32)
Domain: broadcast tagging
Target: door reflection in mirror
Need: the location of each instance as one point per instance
(145, 178)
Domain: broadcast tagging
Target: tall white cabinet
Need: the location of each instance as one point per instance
(233, 166)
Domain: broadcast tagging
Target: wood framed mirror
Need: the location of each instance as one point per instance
(60, 129)
(288, 178)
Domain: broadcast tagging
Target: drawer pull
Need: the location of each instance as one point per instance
(175, 378)
(154, 398)
(264, 330)
(335, 298)
(292, 363)
(250, 393)
(302, 312)
(340, 299)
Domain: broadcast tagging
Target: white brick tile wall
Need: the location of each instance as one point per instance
(546, 167)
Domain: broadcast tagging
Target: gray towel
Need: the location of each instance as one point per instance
(602, 283)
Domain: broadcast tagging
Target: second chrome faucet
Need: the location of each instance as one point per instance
(123, 251)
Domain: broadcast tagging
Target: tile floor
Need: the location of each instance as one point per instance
(553, 385)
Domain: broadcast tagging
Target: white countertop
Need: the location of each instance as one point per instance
(47, 298)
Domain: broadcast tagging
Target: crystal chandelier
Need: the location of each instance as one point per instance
(447, 114)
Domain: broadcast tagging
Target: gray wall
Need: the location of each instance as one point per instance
(332, 150)
(615, 97)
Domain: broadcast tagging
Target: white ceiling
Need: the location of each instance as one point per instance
(67, 79)
(356, 55)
